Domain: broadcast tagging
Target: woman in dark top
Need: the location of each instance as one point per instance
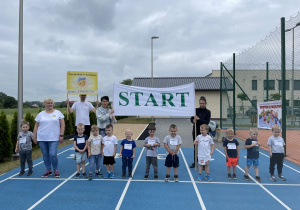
(202, 117)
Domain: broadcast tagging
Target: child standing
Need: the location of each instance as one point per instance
(94, 151)
(151, 143)
(231, 148)
(109, 149)
(172, 144)
(127, 152)
(24, 147)
(276, 150)
(80, 145)
(252, 147)
(206, 148)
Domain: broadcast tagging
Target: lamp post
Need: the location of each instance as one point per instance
(293, 52)
(153, 37)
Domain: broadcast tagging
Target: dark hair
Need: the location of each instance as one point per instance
(203, 99)
(25, 123)
(109, 126)
(173, 126)
(105, 98)
(151, 127)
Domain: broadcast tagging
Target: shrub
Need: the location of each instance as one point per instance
(6, 146)
(14, 130)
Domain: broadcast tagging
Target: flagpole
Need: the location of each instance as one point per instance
(20, 67)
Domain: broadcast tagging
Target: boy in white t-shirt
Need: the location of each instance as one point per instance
(205, 151)
(94, 151)
(109, 149)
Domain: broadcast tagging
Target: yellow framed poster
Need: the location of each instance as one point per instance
(80, 82)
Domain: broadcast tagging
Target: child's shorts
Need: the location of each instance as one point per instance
(254, 161)
(172, 161)
(109, 160)
(232, 162)
(80, 157)
(202, 160)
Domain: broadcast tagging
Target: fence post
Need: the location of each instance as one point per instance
(233, 92)
(283, 102)
(267, 85)
(221, 93)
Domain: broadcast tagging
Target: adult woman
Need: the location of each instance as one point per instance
(49, 131)
(104, 115)
(202, 117)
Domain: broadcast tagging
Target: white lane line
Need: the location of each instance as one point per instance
(271, 194)
(193, 182)
(283, 164)
(33, 167)
(128, 182)
(52, 191)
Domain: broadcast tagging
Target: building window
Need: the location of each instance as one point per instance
(254, 102)
(287, 85)
(296, 84)
(271, 85)
(254, 84)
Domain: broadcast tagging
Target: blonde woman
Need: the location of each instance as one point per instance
(49, 131)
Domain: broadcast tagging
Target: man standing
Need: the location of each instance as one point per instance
(82, 110)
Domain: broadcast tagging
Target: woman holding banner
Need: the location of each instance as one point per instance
(49, 130)
(202, 117)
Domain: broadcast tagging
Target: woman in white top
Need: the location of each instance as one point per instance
(49, 131)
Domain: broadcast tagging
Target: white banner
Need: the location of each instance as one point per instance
(141, 101)
(269, 113)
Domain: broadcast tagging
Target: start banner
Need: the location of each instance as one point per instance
(80, 82)
(142, 101)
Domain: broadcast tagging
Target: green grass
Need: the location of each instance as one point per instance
(135, 120)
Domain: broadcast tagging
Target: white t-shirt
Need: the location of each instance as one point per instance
(204, 145)
(82, 112)
(109, 145)
(49, 126)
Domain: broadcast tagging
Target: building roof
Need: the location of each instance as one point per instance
(201, 83)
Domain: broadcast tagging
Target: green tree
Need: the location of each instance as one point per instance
(14, 130)
(10, 102)
(68, 125)
(275, 96)
(127, 82)
(242, 97)
(5, 139)
(93, 119)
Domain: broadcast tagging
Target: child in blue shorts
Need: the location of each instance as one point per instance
(172, 144)
(252, 147)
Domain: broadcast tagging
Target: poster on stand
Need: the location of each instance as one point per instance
(269, 113)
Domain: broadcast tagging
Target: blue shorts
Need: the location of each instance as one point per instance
(172, 161)
(254, 161)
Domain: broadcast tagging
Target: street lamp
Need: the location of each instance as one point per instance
(292, 90)
(153, 37)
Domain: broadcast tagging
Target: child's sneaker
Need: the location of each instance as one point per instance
(30, 172)
(99, 174)
(77, 175)
(155, 177)
(234, 176)
(247, 178)
(281, 177)
(123, 176)
(84, 175)
(90, 176)
(21, 173)
(208, 178)
(146, 177)
(129, 175)
(107, 175)
(176, 178)
(199, 177)
(257, 178)
(47, 173)
(272, 178)
(56, 174)
(167, 178)
(229, 176)
(111, 175)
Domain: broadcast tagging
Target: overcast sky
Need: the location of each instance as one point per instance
(113, 38)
